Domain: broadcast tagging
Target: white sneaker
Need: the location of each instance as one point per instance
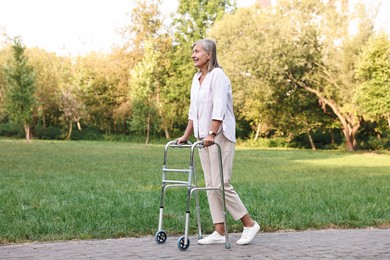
(248, 234)
(214, 238)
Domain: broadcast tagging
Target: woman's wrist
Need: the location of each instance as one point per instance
(212, 133)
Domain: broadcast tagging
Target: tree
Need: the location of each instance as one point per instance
(297, 45)
(73, 110)
(191, 22)
(50, 72)
(329, 74)
(123, 63)
(242, 60)
(20, 78)
(146, 22)
(95, 85)
(372, 72)
(5, 53)
(148, 39)
(145, 91)
(196, 17)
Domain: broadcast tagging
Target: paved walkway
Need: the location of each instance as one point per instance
(323, 244)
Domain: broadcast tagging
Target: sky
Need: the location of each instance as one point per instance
(76, 27)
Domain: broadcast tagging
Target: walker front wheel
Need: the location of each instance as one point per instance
(161, 237)
(180, 243)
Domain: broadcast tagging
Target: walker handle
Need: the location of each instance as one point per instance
(186, 142)
(202, 143)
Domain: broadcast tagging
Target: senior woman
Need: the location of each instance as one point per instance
(211, 119)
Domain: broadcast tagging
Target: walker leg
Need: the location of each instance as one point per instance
(198, 215)
(227, 242)
(160, 219)
(161, 235)
(187, 226)
(186, 231)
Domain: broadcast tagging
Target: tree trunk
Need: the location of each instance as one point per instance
(349, 130)
(148, 129)
(70, 130)
(332, 141)
(312, 144)
(388, 120)
(167, 135)
(164, 126)
(43, 119)
(27, 132)
(257, 131)
(78, 125)
(124, 126)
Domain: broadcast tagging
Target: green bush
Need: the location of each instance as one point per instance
(321, 139)
(87, 134)
(375, 143)
(11, 130)
(48, 133)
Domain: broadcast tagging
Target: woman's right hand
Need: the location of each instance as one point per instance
(181, 140)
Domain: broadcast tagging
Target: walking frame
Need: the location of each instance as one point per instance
(183, 242)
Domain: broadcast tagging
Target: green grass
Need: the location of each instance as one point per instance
(54, 190)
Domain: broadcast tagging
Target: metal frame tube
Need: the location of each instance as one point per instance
(191, 185)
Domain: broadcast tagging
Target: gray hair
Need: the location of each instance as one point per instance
(209, 46)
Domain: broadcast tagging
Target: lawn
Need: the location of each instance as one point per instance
(57, 190)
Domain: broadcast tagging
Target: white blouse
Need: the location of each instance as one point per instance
(212, 100)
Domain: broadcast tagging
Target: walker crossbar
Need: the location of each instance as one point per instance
(176, 170)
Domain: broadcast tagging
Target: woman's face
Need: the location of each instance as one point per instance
(200, 56)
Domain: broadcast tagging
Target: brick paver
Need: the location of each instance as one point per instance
(322, 244)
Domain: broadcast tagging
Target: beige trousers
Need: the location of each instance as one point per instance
(210, 164)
